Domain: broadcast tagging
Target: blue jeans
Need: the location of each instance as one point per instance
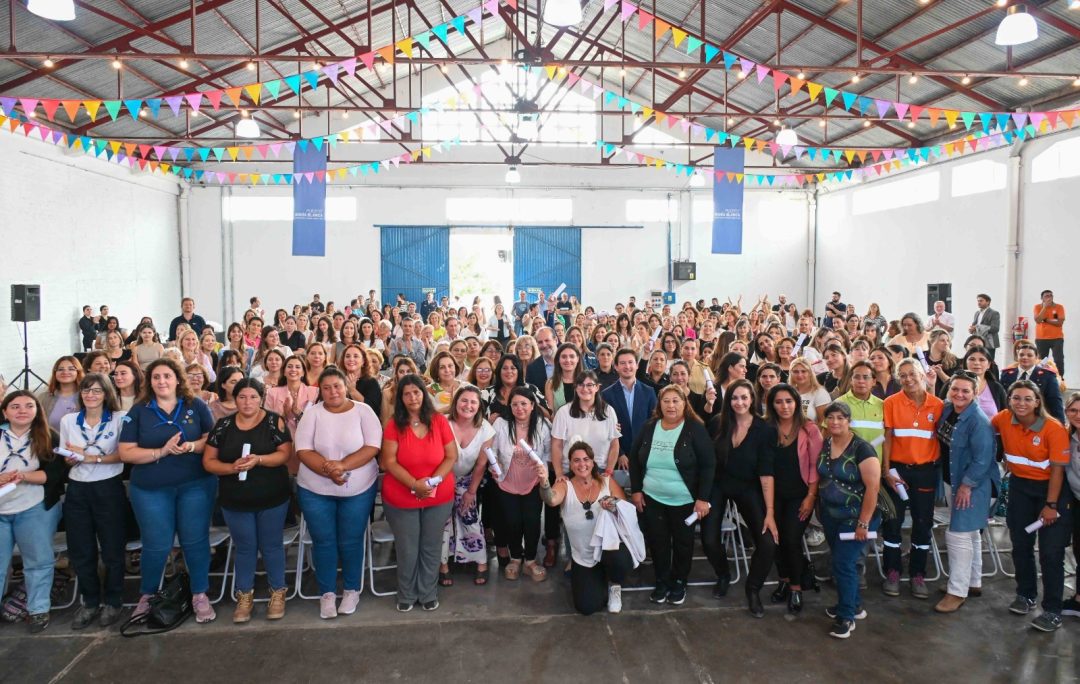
(182, 510)
(255, 532)
(845, 558)
(33, 531)
(337, 525)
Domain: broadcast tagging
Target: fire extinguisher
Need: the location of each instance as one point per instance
(1019, 330)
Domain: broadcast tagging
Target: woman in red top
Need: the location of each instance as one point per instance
(418, 454)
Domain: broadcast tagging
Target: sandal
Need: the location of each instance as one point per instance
(536, 572)
(512, 571)
(445, 580)
(481, 577)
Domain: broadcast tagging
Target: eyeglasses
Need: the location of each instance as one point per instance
(482, 370)
(588, 385)
(93, 391)
(1023, 400)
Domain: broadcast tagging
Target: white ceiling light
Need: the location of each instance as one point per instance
(1016, 28)
(248, 128)
(513, 176)
(563, 12)
(57, 10)
(787, 138)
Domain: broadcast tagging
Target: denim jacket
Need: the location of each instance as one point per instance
(972, 463)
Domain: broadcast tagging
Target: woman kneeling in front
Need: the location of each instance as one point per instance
(596, 575)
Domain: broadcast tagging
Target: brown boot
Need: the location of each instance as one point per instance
(552, 554)
(950, 604)
(245, 601)
(276, 609)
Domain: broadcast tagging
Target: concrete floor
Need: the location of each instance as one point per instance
(529, 632)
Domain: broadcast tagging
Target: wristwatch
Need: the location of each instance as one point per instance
(1052, 505)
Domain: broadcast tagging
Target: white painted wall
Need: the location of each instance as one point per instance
(891, 256)
(89, 233)
(616, 261)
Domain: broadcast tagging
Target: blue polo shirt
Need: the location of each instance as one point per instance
(150, 428)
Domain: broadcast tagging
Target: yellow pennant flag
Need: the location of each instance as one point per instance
(405, 46)
(679, 35)
(813, 89)
(254, 92)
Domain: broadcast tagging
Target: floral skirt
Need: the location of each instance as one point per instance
(463, 536)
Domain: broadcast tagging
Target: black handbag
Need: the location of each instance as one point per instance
(169, 608)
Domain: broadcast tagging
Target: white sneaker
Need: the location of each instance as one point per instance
(614, 599)
(349, 599)
(328, 606)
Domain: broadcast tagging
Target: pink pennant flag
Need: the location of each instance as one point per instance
(386, 124)
(29, 105)
(349, 65)
(779, 78)
(331, 71)
(261, 149)
(276, 149)
(368, 58)
(748, 67)
(916, 112)
(1037, 118)
(626, 11)
(194, 101)
(685, 125)
(762, 72)
(309, 176)
(901, 110)
(492, 7)
(609, 3)
(773, 148)
(572, 78)
(159, 152)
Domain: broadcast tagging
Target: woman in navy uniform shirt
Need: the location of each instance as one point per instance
(163, 437)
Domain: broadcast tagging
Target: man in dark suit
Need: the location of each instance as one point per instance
(541, 368)
(986, 324)
(633, 401)
(1027, 368)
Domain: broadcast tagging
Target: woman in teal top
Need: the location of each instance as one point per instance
(559, 390)
(672, 464)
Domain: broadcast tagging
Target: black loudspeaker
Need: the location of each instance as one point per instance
(25, 303)
(685, 270)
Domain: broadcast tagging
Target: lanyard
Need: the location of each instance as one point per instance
(13, 452)
(80, 420)
(173, 420)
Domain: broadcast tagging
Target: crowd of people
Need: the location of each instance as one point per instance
(614, 436)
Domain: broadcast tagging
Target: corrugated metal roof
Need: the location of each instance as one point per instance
(889, 24)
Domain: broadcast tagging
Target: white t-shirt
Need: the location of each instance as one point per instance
(104, 439)
(599, 434)
(334, 436)
(810, 402)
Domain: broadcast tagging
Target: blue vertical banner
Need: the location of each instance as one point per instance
(728, 201)
(309, 201)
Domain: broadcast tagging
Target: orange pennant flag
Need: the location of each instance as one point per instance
(92, 107)
(129, 149)
(934, 115)
(862, 156)
(660, 117)
(247, 151)
(387, 53)
(796, 84)
(1067, 116)
(761, 145)
(234, 95)
(660, 28)
(72, 108)
(813, 89)
(254, 92)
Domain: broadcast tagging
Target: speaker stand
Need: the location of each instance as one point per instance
(26, 373)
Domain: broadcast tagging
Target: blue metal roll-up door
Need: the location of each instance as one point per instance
(415, 259)
(544, 258)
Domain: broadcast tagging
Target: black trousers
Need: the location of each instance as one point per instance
(519, 519)
(671, 542)
(552, 515)
(1057, 346)
(1026, 501)
(589, 586)
(790, 560)
(751, 505)
(922, 482)
(94, 516)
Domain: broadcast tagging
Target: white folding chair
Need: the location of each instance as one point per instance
(379, 532)
(218, 536)
(934, 552)
(289, 536)
(305, 561)
(59, 547)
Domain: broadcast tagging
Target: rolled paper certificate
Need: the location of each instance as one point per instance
(346, 475)
(693, 518)
(493, 462)
(61, 451)
(901, 490)
(558, 291)
(7, 489)
(434, 481)
(656, 334)
(850, 536)
(1034, 527)
(244, 453)
(709, 384)
(529, 450)
(922, 359)
(800, 340)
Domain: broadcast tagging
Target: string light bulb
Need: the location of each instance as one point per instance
(866, 124)
(183, 63)
(855, 78)
(913, 79)
(117, 64)
(821, 122)
(251, 66)
(966, 80)
(48, 63)
(1023, 81)
(801, 76)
